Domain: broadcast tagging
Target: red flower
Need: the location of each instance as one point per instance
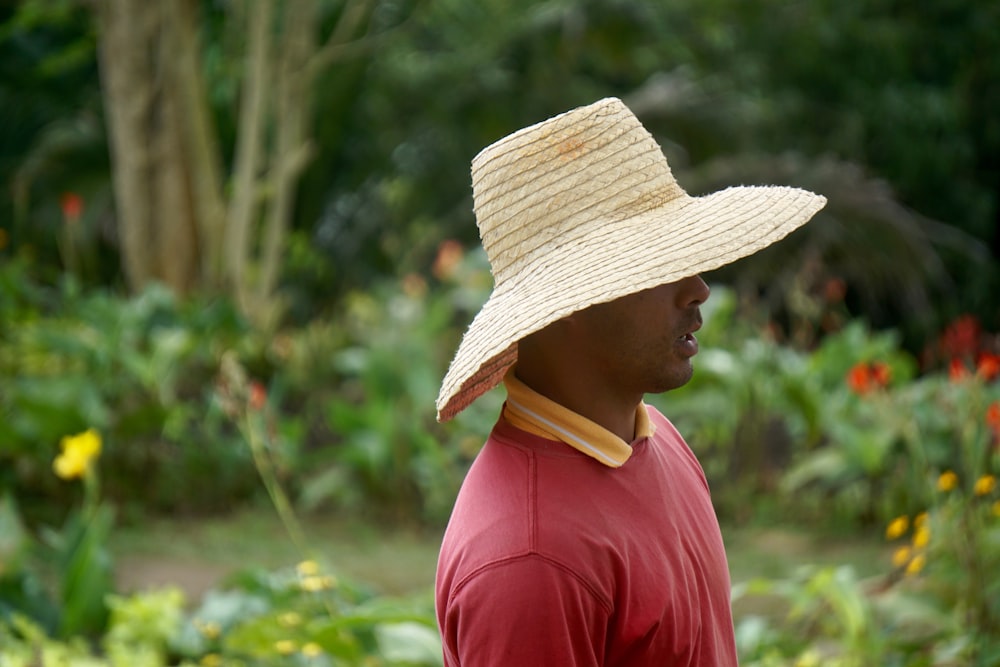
(258, 395)
(881, 373)
(961, 337)
(859, 379)
(834, 290)
(71, 205)
(988, 366)
(864, 377)
(993, 422)
(993, 416)
(957, 370)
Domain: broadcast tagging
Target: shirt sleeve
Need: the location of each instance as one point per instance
(527, 611)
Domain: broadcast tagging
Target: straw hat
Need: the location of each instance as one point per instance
(582, 209)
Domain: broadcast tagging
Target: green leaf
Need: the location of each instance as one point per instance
(826, 466)
(13, 537)
(87, 578)
(409, 643)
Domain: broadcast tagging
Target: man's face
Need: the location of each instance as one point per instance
(644, 342)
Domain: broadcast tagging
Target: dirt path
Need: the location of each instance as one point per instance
(139, 573)
(196, 555)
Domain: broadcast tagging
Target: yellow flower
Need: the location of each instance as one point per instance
(920, 520)
(897, 527)
(312, 650)
(211, 660)
(922, 537)
(285, 646)
(985, 485)
(916, 565)
(947, 481)
(315, 584)
(289, 619)
(209, 629)
(901, 556)
(308, 568)
(808, 659)
(78, 451)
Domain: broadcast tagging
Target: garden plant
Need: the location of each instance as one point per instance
(232, 277)
(849, 433)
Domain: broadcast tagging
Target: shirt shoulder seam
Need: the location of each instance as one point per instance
(532, 555)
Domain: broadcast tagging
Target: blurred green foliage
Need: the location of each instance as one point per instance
(816, 414)
(903, 97)
(139, 370)
(258, 618)
(337, 416)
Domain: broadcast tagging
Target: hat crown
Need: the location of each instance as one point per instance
(582, 209)
(566, 180)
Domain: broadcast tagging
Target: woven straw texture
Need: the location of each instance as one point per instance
(582, 209)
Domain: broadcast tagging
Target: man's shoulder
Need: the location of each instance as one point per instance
(518, 500)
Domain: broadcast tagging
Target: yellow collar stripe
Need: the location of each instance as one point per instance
(532, 412)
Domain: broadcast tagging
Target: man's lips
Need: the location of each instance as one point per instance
(687, 340)
(688, 345)
(692, 327)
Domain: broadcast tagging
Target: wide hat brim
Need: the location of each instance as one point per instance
(683, 237)
(704, 233)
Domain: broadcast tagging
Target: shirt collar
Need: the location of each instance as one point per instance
(533, 412)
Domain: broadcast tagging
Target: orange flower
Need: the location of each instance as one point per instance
(993, 416)
(957, 370)
(988, 366)
(881, 373)
(859, 379)
(258, 395)
(71, 205)
(865, 377)
(449, 256)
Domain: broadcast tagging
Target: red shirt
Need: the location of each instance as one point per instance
(551, 558)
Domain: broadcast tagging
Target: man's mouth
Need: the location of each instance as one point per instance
(688, 341)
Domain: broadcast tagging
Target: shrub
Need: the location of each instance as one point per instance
(141, 371)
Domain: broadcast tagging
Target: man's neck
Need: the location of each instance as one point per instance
(586, 398)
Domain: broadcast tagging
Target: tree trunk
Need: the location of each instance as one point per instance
(244, 209)
(198, 138)
(125, 30)
(291, 148)
(175, 223)
(150, 171)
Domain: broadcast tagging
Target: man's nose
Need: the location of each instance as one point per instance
(694, 291)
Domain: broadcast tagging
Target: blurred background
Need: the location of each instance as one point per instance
(237, 252)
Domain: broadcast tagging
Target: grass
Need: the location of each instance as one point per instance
(775, 552)
(198, 554)
(778, 552)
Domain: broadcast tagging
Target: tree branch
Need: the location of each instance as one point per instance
(249, 148)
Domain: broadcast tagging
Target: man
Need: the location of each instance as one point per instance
(584, 533)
